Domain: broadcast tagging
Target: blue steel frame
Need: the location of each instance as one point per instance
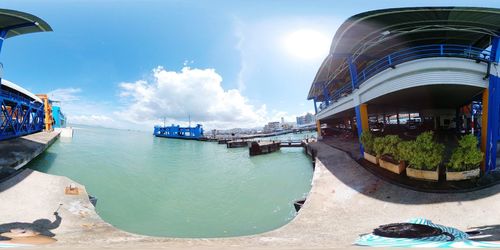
(359, 128)
(392, 60)
(493, 128)
(354, 81)
(19, 116)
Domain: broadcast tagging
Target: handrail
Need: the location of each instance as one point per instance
(419, 52)
(409, 54)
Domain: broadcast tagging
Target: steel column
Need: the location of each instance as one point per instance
(315, 107)
(354, 72)
(493, 111)
(359, 127)
(484, 127)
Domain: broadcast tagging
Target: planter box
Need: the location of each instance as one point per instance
(423, 174)
(395, 168)
(370, 158)
(463, 175)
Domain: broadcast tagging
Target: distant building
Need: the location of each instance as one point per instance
(287, 125)
(272, 126)
(305, 119)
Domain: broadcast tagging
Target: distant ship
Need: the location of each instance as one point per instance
(178, 132)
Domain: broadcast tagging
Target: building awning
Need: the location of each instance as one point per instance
(20, 89)
(369, 36)
(19, 23)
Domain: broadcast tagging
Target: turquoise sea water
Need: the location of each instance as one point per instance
(168, 187)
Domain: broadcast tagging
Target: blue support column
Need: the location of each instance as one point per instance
(354, 72)
(315, 107)
(493, 111)
(495, 50)
(3, 34)
(326, 94)
(359, 127)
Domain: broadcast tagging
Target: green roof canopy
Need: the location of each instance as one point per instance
(18, 23)
(369, 36)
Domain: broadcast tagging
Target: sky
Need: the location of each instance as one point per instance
(225, 64)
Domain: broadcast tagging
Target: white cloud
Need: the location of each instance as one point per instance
(65, 94)
(240, 47)
(171, 95)
(191, 92)
(91, 119)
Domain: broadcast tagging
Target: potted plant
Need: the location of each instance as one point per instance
(367, 139)
(390, 157)
(465, 160)
(425, 157)
(405, 150)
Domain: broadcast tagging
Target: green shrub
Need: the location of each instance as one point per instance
(406, 149)
(367, 139)
(423, 153)
(467, 155)
(390, 147)
(379, 146)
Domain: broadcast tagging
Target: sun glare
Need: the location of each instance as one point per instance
(307, 44)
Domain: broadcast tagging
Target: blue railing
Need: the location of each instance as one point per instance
(419, 52)
(18, 115)
(406, 55)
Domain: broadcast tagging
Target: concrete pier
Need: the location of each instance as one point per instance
(265, 147)
(258, 148)
(17, 152)
(292, 144)
(223, 141)
(237, 144)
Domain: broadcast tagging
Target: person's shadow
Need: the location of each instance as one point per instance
(37, 227)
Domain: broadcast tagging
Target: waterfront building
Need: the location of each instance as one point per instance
(401, 69)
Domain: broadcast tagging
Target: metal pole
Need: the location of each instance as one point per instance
(3, 34)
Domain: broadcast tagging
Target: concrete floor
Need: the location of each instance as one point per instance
(17, 152)
(345, 201)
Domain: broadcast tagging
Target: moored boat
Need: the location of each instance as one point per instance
(178, 132)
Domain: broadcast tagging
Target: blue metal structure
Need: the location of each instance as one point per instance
(406, 55)
(493, 131)
(178, 132)
(59, 118)
(19, 115)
